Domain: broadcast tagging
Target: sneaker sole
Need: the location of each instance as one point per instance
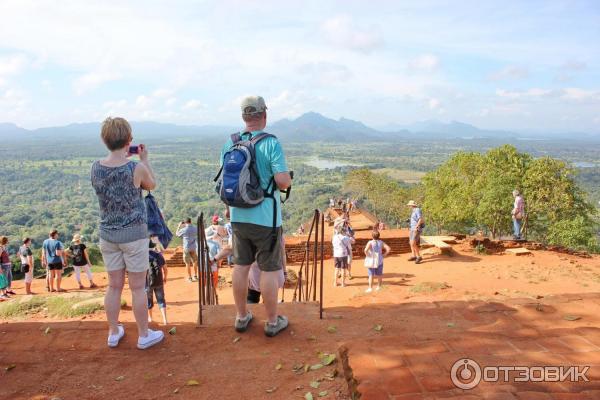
(151, 343)
(242, 329)
(273, 334)
(113, 345)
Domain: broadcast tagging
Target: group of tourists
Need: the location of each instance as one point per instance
(54, 259)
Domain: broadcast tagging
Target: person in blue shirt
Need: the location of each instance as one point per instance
(253, 227)
(189, 234)
(54, 261)
(416, 227)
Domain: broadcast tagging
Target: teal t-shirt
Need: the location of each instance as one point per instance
(51, 246)
(270, 160)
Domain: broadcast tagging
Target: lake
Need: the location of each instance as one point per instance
(323, 163)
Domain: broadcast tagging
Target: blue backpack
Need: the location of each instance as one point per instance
(239, 185)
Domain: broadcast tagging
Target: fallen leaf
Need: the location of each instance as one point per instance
(306, 368)
(271, 390)
(236, 339)
(323, 393)
(11, 366)
(47, 330)
(297, 367)
(332, 329)
(119, 378)
(571, 317)
(328, 359)
(311, 337)
(297, 350)
(278, 366)
(173, 330)
(336, 317)
(308, 396)
(192, 382)
(316, 367)
(378, 328)
(315, 384)
(450, 324)
(176, 391)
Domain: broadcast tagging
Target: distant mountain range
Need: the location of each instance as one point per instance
(311, 126)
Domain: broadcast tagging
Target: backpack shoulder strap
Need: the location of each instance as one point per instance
(261, 136)
(236, 138)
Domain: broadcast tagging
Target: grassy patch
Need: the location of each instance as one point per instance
(63, 307)
(429, 287)
(16, 308)
(54, 306)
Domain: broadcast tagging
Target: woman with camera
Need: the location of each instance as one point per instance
(118, 183)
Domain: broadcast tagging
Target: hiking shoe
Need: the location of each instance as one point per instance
(195, 279)
(113, 340)
(93, 286)
(413, 258)
(10, 291)
(273, 329)
(241, 325)
(190, 279)
(152, 338)
(81, 286)
(418, 260)
(369, 290)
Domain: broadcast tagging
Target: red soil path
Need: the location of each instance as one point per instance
(498, 309)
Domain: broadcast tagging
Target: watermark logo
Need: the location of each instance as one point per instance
(466, 374)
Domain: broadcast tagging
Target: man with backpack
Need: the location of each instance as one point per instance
(254, 170)
(155, 285)
(189, 234)
(54, 261)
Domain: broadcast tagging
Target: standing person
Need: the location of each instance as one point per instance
(518, 213)
(6, 264)
(256, 236)
(158, 247)
(189, 234)
(157, 279)
(54, 260)
(81, 260)
(376, 250)
(118, 183)
(331, 203)
(416, 227)
(342, 247)
(27, 263)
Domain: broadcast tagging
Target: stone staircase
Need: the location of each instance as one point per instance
(174, 257)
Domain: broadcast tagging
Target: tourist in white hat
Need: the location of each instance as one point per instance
(81, 260)
(416, 227)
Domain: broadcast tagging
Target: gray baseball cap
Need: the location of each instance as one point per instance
(253, 105)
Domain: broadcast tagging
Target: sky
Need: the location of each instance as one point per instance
(520, 65)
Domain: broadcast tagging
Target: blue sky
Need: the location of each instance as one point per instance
(532, 65)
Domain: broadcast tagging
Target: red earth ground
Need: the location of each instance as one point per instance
(496, 309)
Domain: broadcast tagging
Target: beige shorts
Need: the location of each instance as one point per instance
(133, 256)
(190, 257)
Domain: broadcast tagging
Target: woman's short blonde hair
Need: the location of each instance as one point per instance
(116, 133)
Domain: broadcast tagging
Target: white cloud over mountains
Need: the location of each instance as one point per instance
(381, 62)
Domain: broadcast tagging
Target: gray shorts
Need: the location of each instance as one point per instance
(255, 243)
(415, 236)
(132, 256)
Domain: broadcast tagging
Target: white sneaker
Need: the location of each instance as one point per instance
(152, 338)
(369, 290)
(113, 340)
(378, 288)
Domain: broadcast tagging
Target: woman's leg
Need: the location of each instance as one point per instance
(335, 276)
(112, 299)
(88, 272)
(162, 304)
(139, 300)
(370, 281)
(77, 273)
(9, 276)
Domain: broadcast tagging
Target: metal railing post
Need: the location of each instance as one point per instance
(199, 228)
(321, 272)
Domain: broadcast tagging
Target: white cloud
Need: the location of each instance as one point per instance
(170, 101)
(115, 104)
(434, 104)
(424, 62)
(91, 81)
(511, 72)
(579, 94)
(193, 105)
(12, 64)
(12, 99)
(530, 93)
(344, 32)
